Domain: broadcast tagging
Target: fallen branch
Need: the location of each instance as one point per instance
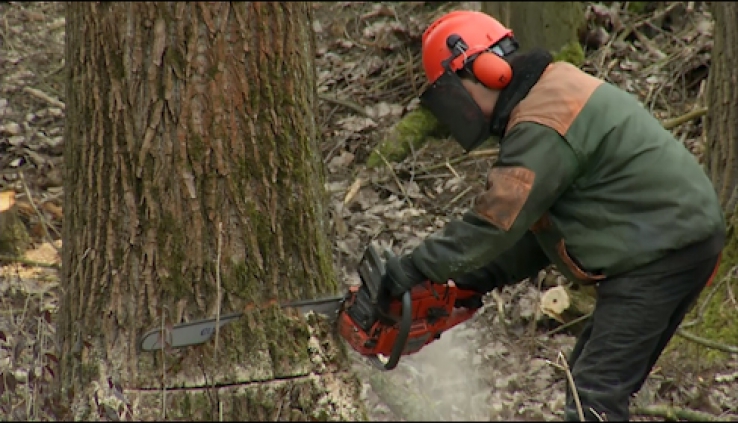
(563, 365)
(45, 97)
(394, 176)
(568, 324)
(694, 114)
(345, 103)
(21, 260)
(674, 413)
(707, 342)
(492, 152)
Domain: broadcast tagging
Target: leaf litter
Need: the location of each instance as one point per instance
(494, 367)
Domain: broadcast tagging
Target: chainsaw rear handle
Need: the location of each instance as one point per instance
(406, 320)
(406, 317)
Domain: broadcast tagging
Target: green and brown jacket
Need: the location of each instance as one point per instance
(587, 180)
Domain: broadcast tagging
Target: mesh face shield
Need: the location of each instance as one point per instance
(454, 107)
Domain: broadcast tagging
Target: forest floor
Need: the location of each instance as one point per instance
(502, 364)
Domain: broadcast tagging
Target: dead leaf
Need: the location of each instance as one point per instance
(341, 161)
(45, 253)
(7, 200)
(352, 191)
(53, 209)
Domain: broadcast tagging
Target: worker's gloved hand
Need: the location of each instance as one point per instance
(484, 279)
(401, 275)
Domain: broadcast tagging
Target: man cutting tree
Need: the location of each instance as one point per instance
(586, 180)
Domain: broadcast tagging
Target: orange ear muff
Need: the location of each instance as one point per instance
(492, 70)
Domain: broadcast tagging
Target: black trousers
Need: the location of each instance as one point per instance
(633, 320)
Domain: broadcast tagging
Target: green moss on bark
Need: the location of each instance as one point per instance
(572, 53)
(409, 133)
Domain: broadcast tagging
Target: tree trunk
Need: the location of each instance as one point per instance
(721, 126)
(184, 118)
(722, 166)
(551, 25)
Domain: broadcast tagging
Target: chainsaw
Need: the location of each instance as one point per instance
(402, 327)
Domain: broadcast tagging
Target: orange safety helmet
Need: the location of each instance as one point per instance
(476, 35)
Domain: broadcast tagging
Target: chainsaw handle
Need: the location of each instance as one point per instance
(406, 320)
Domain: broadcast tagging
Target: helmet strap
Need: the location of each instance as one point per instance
(527, 69)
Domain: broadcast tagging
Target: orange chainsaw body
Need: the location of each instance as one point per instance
(435, 309)
(433, 312)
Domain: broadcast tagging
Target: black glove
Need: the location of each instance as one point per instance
(401, 275)
(483, 280)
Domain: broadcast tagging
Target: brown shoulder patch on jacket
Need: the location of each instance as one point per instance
(507, 191)
(557, 98)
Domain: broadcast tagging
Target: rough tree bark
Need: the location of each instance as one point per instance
(721, 127)
(182, 118)
(552, 25)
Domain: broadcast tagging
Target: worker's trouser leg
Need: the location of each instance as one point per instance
(634, 319)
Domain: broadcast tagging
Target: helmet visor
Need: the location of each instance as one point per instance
(455, 108)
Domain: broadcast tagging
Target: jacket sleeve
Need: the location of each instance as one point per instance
(522, 261)
(535, 166)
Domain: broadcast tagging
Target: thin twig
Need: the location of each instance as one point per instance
(345, 103)
(708, 298)
(451, 168)
(596, 414)
(492, 152)
(217, 314)
(459, 196)
(217, 287)
(162, 340)
(568, 324)
(731, 349)
(694, 114)
(500, 310)
(394, 176)
(561, 364)
(673, 413)
(45, 97)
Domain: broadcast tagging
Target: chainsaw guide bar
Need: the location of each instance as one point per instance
(200, 331)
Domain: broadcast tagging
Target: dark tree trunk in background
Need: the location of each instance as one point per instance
(183, 118)
(721, 127)
(722, 98)
(552, 25)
